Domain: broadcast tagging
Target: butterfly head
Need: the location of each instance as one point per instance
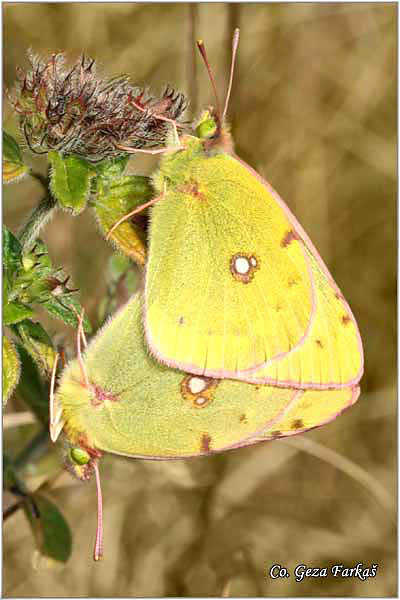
(207, 126)
(211, 127)
(78, 461)
(213, 133)
(82, 461)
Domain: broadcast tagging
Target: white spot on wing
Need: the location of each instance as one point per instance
(200, 401)
(242, 265)
(196, 385)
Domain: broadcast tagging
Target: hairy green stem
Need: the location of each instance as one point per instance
(38, 218)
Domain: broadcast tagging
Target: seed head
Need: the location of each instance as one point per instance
(74, 112)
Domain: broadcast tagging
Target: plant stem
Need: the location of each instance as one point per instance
(18, 418)
(38, 218)
(35, 446)
(41, 178)
(12, 509)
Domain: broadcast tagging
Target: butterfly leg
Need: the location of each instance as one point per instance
(80, 337)
(98, 546)
(81, 331)
(136, 211)
(167, 120)
(56, 423)
(143, 151)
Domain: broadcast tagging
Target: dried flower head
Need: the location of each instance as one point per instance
(74, 112)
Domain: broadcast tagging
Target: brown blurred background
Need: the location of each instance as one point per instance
(314, 111)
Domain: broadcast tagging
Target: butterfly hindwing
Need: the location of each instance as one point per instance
(311, 408)
(137, 407)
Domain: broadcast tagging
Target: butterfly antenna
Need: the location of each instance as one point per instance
(135, 212)
(202, 50)
(98, 546)
(235, 44)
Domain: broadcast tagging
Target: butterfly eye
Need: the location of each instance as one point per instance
(79, 456)
(207, 127)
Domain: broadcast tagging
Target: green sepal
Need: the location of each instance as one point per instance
(118, 198)
(50, 529)
(39, 258)
(15, 311)
(13, 164)
(35, 280)
(11, 369)
(37, 342)
(63, 309)
(112, 168)
(70, 181)
(31, 388)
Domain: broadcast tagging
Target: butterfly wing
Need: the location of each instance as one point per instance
(235, 288)
(137, 407)
(309, 409)
(228, 284)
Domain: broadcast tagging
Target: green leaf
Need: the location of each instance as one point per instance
(31, 387)
(12, 254)
(70, 181)
(11, 150)
(51, 531)
(39, 345)
(117, 200)
(13, 165)
(13, 312)
(5, 291)
(62, 309)
(11, 369)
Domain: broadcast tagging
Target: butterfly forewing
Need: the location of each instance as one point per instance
(228, 284)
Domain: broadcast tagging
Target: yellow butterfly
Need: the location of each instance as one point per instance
(234, 286)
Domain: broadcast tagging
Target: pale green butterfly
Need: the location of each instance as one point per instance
(117, 398)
